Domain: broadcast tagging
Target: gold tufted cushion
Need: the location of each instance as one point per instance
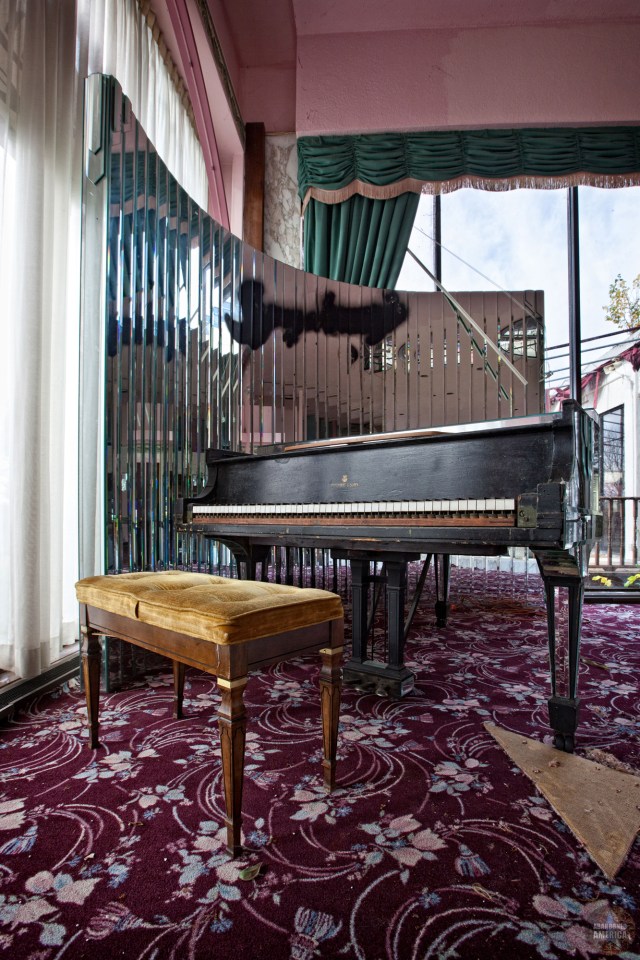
(212, 608)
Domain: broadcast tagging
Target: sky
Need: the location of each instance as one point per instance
(518, 239)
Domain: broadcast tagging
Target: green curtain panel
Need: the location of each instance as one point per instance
(360, 240)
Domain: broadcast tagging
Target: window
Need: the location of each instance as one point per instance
(612, 435)
(524, 335)
(7, 194)
(511, 240)
(609, 245)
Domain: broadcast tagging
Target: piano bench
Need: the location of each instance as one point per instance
(222, 626)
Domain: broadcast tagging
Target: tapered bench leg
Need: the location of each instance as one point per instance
(178, 689)
(232, 722)
(330, 688)
(91, 654)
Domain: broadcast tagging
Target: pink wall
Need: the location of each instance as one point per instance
(268, 95)
(499, 76)
(318, 67)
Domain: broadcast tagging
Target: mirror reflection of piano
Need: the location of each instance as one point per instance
(468, 489)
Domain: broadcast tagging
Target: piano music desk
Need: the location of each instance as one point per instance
(225, 627)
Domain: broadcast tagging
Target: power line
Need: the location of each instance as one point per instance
(600, 336)
(555, 376)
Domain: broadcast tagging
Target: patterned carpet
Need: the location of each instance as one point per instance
(433, 846)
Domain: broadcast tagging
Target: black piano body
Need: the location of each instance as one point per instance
(474, 488)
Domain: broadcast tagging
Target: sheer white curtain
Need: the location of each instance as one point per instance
(46, 49)
(40, 242)
(119, 43)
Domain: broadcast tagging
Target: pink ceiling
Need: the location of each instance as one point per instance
(332, 66)
(267, 43)
(265, 31)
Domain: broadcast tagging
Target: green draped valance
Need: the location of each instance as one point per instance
(334, 168)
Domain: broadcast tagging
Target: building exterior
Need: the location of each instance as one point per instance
(612, 389)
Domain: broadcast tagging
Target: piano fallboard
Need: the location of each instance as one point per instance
(485, 464)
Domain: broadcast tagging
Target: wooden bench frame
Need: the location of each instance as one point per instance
(230, 663)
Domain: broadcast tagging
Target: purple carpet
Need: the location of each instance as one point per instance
(433, 845)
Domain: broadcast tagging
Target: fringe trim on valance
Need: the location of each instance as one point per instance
(433, 187)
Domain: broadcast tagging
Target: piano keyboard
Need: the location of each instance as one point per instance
(498, 511)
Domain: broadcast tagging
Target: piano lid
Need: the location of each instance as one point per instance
(450, 430)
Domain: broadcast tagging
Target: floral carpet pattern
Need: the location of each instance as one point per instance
(433, 845)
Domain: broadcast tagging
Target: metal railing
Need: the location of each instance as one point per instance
(618, 546)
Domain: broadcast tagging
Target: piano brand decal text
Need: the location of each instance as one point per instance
(344, 483)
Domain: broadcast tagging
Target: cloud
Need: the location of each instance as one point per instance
(518, 239)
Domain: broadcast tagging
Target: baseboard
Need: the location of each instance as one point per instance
(14, 695)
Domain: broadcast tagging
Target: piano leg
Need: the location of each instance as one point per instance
(390, 678)
(441, 569)
(562, 570)
(289, 565)
(396, 592)
(247, 556)
(359, 612)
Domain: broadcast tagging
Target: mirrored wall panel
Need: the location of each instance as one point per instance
(199, 341)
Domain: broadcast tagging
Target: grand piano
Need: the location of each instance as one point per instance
(475, 489)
